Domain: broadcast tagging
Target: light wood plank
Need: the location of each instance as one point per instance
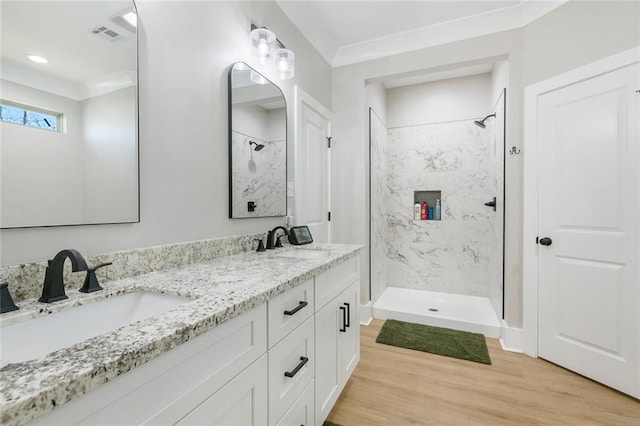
(395, 386)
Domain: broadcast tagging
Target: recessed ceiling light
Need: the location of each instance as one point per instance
(38, 59)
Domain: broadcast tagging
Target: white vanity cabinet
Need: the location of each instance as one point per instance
(283, 363)
(337, 332)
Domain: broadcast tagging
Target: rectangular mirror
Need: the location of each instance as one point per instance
(69, 113)
(257, 145)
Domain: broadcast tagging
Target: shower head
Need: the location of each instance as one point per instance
(481, 122)
(258, 147)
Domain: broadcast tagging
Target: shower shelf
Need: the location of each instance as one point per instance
(428, 197)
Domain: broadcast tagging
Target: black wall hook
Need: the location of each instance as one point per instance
(514, 150)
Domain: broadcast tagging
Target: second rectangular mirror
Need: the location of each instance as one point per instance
(257, 145)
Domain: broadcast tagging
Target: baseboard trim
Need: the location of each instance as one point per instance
(512, 339)
(366, 315)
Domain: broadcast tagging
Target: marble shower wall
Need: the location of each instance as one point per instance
(378, 141)
(457, 253)
(259, 176)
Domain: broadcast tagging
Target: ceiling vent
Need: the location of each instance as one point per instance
(107, 33)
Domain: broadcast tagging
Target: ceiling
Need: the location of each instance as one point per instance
(347, 31)
(81, 64)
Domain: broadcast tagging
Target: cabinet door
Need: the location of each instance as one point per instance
(350, 340)
(328, 378)
(242, 401)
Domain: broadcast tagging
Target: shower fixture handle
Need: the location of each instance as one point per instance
(546, 241)
(491, 203)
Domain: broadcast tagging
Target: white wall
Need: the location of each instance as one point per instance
(572, 35)
(110, 157)
(439, 101)
(186, 49)
(39, 168)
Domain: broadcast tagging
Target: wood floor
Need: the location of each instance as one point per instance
(396, 386)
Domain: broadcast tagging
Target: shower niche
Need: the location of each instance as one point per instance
(432, 198)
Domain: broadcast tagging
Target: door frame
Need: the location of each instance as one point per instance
(530, 181)
(303, 98)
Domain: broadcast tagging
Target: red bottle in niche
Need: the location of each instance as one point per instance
(423, 211)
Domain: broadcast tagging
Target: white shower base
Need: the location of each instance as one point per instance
(466, 313)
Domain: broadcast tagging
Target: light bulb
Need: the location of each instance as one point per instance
(263, 48)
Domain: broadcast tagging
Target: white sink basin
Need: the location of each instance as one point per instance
(37, 337)
(304, 254)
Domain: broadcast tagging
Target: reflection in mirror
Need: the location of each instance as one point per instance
(69, 152)
(257, 145)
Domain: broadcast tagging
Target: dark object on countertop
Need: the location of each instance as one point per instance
(278, 242)
(260, 245)
(53, 289)
(6, 302)
(271, 236)
(91, 283)
(299, 235)
(436, 340)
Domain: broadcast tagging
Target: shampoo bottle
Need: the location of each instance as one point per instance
(436, 211)
(417, 211)
(423, 211)
(430, 214)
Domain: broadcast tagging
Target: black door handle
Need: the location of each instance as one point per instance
(297, 308)
(347, 322)
(546, 241)
(303, 361)
(491, 204)
(343, 328)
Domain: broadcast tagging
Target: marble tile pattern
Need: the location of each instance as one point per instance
(453, 255)
(259, 176)
(26, 280)
(222, 288)
(378, 147)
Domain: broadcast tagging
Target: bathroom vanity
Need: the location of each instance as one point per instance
(264, 338)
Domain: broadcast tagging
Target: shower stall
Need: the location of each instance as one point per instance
(448, 270)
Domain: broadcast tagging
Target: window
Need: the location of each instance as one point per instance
(13, 112)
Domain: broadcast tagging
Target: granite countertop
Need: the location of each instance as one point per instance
(221, 289)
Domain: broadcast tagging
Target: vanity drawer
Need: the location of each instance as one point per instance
(302, 411)
(332, 282)
(288, 310)
(291, 369)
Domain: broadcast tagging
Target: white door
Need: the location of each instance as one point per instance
(312, 167)
(589, 301)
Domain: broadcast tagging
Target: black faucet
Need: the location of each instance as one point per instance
(53, 289)
(271, 236)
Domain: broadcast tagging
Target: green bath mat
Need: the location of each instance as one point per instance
(436, 340)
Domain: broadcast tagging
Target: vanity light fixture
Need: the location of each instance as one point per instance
(268, 48)
(286, 63)
(263, 42)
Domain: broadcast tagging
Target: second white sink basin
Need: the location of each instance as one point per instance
(37, 337)
(304, 254)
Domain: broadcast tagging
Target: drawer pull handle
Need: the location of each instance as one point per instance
(343, 328)
(297, 308)
(348, 320)
(303, 361)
